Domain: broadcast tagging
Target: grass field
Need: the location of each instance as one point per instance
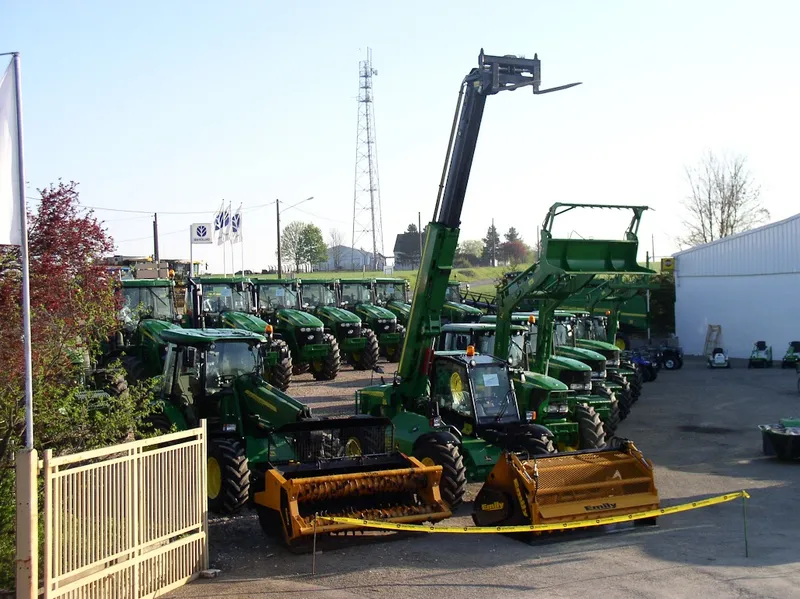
(480, 278)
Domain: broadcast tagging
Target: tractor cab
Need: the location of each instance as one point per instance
(212, 297)
(393, 294)
(146, 299)
(275, 295)
(473, 389)
(454, 308)
(200, 376)
(481, 335)
(318, 293)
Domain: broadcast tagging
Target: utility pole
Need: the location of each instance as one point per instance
(419, 232)
(278, 215)
(155, 239)
(494, 235)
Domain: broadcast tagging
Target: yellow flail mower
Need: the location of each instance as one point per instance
(567, 488)
(342, 467)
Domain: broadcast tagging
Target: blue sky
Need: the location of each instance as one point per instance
(174, 105)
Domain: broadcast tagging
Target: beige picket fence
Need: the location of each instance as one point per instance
(128, 521)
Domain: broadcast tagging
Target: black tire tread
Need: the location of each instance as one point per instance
(235, 490)
(281, 375)
(590, 428)
(399, 350)
(331, 362)
(453, 484)
(368, 358)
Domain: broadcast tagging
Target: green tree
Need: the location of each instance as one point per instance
(512, 235)
(312, 245)
(491, 246)
(412, 228)
(292, 243)
(471, 247)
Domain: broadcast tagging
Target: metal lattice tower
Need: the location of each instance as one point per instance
(367, 220)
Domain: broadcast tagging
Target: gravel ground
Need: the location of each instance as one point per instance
(697, 425)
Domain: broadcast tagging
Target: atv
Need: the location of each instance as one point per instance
(792, 356)
(718, 359)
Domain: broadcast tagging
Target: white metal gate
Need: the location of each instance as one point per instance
(128, 521)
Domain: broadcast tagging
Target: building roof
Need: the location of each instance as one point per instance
(703, 246)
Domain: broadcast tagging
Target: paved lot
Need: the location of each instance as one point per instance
(698, 426)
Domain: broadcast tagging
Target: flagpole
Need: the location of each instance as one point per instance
(26, 289)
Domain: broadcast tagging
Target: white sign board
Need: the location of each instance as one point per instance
(201, 233)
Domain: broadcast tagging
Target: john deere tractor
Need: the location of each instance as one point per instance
(314, 349)
(358, 343)
(393, 295)
(574, 424)
(148, 308)
(229, 302)
(461, 410)
(267, 448)
(454, 308)
(358, 296)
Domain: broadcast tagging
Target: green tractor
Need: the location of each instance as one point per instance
(574, 423)
(454, 308)
(393, 294)
(266, 448)
(792, 356)
(358, 343)
(278, 303)
(148, 308)
(359, 296)
(584, 377)
(229, 302)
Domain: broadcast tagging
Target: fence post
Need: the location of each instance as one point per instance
(27, 465)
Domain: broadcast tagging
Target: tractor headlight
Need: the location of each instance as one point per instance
(228, 428)
(581, 386)
(612, 363)
(304, 329)
(530, 416)
(557, 408)
(598, 374)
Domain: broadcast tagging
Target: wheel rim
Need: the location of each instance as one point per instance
(353, 448)
(214, 478)
(427, 462)
(620, 343)
(669, 363)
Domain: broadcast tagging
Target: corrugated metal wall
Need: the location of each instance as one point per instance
(771, 249)
(749, 284)
(749, 309)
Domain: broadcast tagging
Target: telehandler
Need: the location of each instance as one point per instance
(461, 411)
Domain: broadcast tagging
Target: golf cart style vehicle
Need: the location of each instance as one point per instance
(792, 355)
(761, 356)
(718, 359)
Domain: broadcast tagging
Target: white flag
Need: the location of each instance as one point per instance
(226, 224)
(219, 219)
(236, 226)
(10, 217)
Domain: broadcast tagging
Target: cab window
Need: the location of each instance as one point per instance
(451, 388)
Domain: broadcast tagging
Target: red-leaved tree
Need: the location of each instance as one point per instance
(73, 309)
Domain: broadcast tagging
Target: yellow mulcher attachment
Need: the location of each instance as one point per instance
(570, 487)
(343, 467)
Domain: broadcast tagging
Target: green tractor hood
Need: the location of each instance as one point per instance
(402, 307)
(580, 354)
(542, 381)
(371, 311)
(152, 330)
(569, 364)
(462, 309)
(338, 315)
(243, 320)
(298, 318)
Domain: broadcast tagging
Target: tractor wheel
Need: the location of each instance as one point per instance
(363, 441)
(228, 476)
(368, 358)
(328, 368)
(612, 424)
(281, 375)
(624, 402)
(393, 353)
(134, 368)
(670, 364)
(158, 423)
(301, 368)
(539, 446)
(432, 452)
(590, 428)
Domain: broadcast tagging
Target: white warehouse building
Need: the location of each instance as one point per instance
(748, 283)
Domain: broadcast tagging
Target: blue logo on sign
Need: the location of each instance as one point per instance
(201, 231)
(236, 222)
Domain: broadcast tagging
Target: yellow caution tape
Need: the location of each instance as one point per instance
(664, 511)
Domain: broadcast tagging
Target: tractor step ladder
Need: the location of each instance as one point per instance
(713, 336)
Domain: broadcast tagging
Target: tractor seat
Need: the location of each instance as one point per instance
(717, 350)
(761, 345)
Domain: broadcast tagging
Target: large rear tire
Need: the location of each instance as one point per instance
(454, 474)
(327, 369)
(612, 424)
(281, 375)
(228, 476)
(591, 434)
(368, 357)
(134, 368)
(538, 446)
